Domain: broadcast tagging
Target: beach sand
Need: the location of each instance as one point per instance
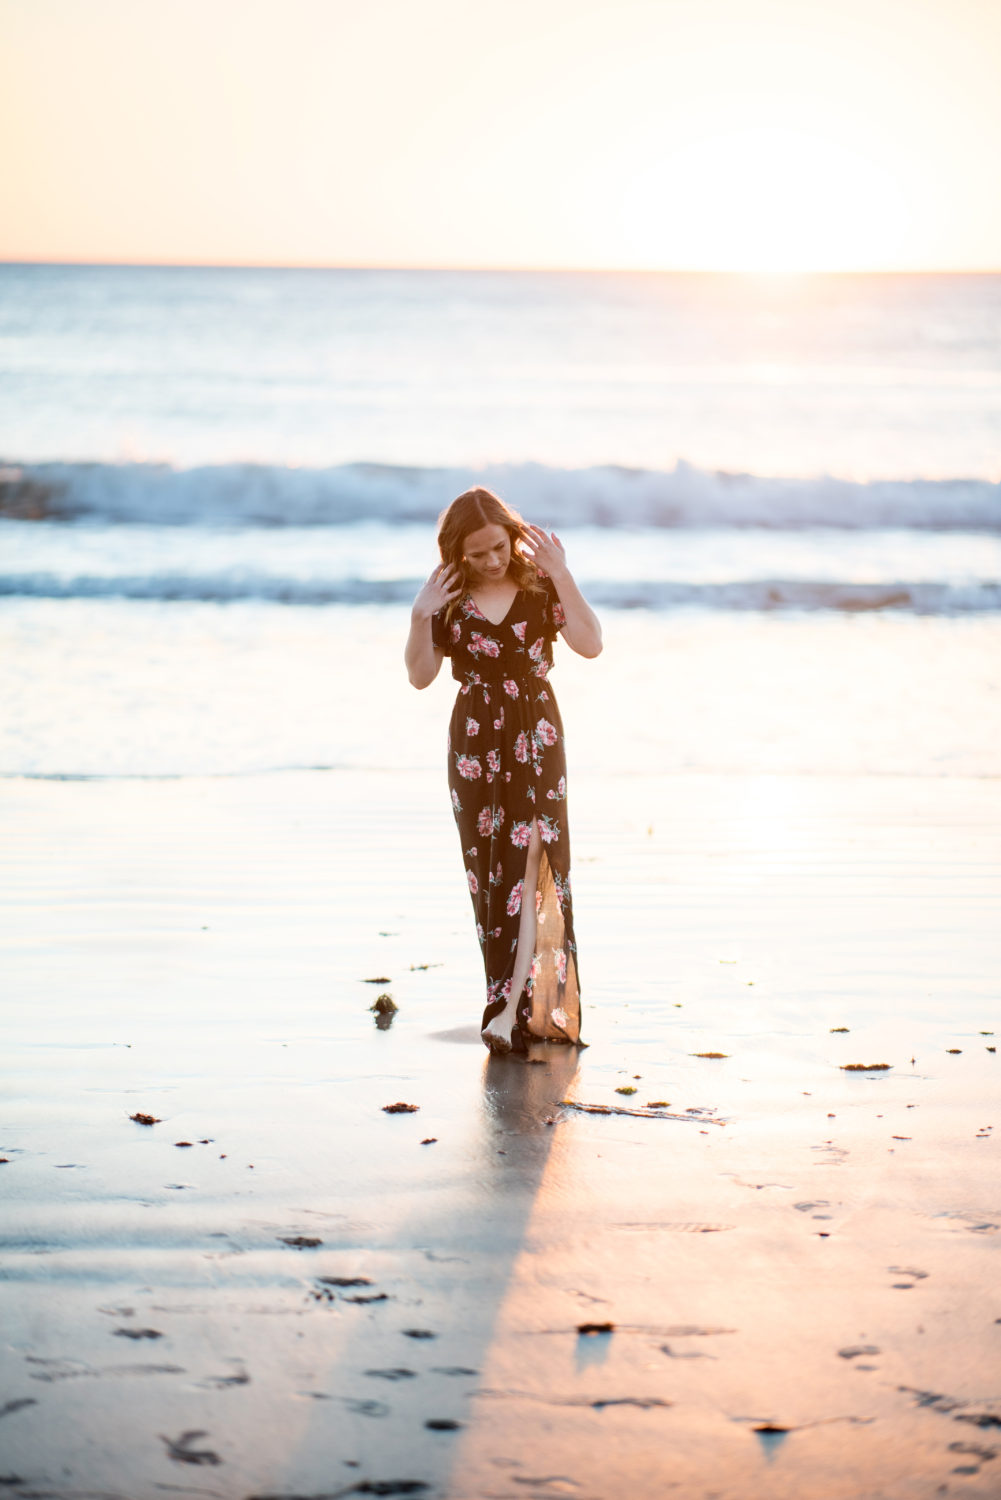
(316, 1297)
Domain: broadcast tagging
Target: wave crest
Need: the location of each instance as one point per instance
(685, 496)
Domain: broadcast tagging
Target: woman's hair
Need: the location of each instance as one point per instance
(469, 512)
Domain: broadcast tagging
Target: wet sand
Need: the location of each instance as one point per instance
(318, 1297)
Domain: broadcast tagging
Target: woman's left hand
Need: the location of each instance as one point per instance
(547, 552)
(580, 628)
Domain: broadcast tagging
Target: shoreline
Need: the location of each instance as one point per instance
(820, 1264)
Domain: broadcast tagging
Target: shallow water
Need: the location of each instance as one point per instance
(113, 687)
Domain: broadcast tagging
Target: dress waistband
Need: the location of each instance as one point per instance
(495, 677)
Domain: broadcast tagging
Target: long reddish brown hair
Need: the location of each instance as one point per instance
(469, 512)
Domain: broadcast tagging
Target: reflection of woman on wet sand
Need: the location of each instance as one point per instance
(494, 605)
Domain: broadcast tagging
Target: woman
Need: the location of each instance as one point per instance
(494, 605)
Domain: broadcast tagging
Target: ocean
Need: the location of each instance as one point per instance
(218, 490)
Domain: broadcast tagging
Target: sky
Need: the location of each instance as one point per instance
(747, 135)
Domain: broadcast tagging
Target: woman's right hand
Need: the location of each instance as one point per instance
(441, 588)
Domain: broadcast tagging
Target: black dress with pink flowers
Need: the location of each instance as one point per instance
(506, 766)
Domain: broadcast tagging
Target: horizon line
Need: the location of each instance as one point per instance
(249, 265)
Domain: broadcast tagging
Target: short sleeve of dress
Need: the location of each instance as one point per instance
(555, 613)
(440, 636)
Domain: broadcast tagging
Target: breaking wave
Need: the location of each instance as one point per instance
(238, 495)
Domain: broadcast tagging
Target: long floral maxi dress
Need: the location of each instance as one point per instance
(506, 766)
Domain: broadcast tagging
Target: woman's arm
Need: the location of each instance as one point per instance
(582, 632)
(422, 657)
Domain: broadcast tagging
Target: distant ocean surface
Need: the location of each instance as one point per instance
(766, 445)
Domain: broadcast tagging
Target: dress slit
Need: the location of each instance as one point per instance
(552, 989)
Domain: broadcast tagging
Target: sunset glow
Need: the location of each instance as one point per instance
(652, 134)
(769, 200)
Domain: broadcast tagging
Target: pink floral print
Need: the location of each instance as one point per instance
(516, 756)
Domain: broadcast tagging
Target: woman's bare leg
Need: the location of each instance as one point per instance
(503, 1024)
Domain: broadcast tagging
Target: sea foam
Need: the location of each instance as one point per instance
(685, 496)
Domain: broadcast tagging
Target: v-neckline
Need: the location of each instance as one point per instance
(496, 623)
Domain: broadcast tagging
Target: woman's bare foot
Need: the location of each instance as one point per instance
(497, 1033)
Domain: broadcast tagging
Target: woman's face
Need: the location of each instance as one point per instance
(487, 554)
